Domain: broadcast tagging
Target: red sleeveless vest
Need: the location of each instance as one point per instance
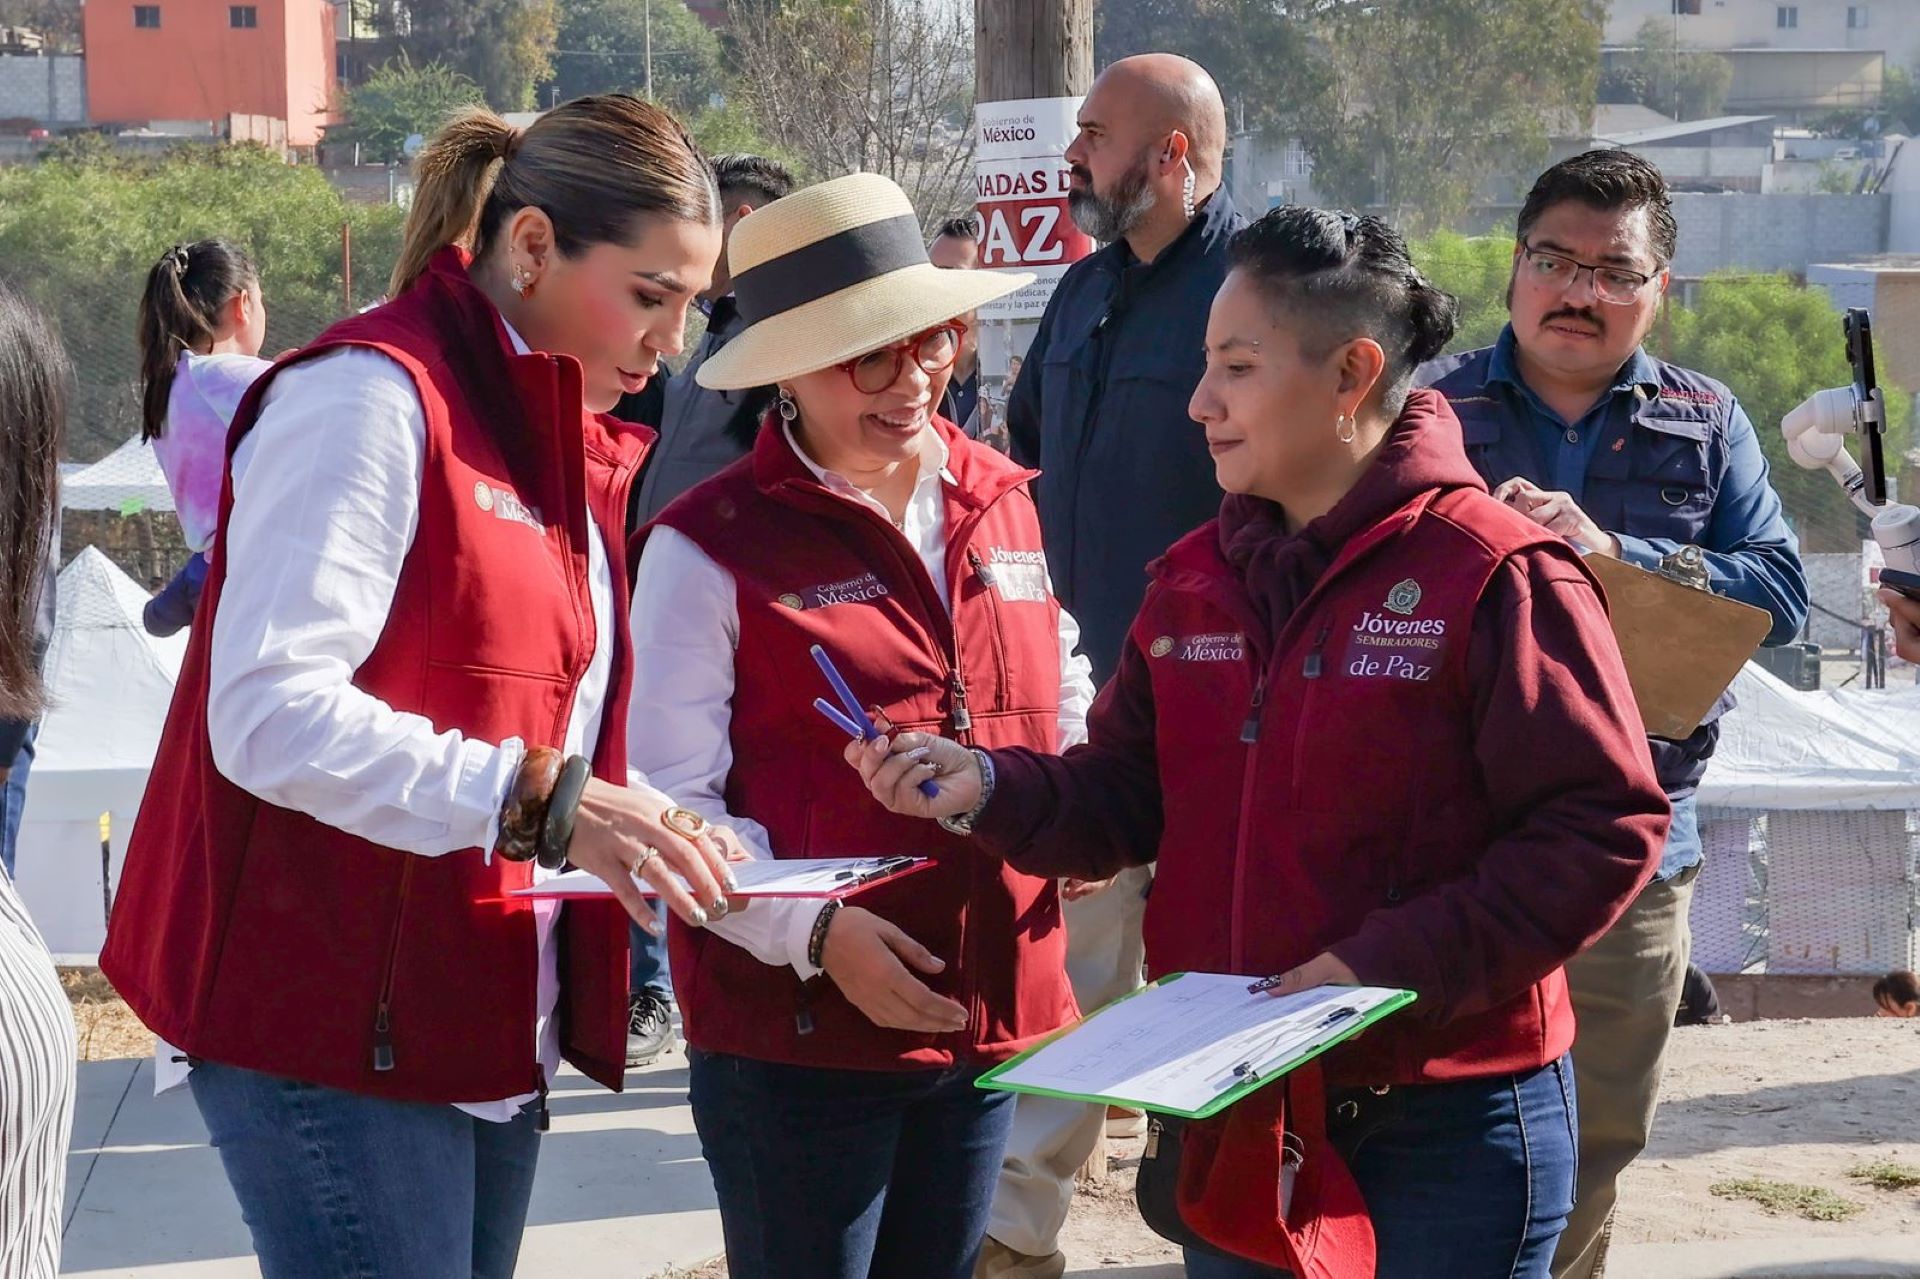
(813, 568)
(262, 938)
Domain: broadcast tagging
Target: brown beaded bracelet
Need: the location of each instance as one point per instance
(524, 815)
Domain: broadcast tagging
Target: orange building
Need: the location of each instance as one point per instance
(207, 60)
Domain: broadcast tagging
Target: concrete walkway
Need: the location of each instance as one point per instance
(621, 1191)
(622, 1194)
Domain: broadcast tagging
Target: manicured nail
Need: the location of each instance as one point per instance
(732, 880)
(919, 752)
(699, 918)
(719, 908)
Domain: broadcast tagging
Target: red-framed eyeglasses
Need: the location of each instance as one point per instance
(934, 351)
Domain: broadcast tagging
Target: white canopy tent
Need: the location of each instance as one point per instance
(127, 480)
(1807, 813)
(110, 684)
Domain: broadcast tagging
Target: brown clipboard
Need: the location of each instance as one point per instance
(1682, 646)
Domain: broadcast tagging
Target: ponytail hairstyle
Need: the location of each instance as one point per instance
(593, 165)
(1340, 277)
(35, 381)
(180, 311)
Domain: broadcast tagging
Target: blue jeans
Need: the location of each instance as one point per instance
(334, 1185)
(1468, 1180)
(647, 961)
(13, 801)
(848, 1174)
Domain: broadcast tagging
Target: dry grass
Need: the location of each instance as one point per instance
(107, 1027)
(1811, 1202)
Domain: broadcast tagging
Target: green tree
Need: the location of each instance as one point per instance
(80, 229)
(1475, 270)
(505, 46)
(1900, 100)
(1666, 73)
(603, 49)
(1430, 98)
(1775, 343)
(1257, 50)
(400, 100)
(56, 21)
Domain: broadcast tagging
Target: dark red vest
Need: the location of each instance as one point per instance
(1347, 783)
(812, 568)
(263, 938)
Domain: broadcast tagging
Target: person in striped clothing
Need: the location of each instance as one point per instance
(37, 1053)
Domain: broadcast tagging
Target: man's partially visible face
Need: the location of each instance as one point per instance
(1563, 324)
(957, 253)
(1108, 192)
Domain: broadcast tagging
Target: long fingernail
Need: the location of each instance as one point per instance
(719, 908)
(732, 880)
(699, 917)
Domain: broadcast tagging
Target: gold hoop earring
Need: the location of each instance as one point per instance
(1347, 428)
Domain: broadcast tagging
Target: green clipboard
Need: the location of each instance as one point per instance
(993, 1079)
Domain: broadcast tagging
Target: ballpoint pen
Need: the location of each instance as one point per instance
(855, 723)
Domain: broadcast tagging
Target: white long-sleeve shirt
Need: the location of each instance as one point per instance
(326, 505)
(686, 627)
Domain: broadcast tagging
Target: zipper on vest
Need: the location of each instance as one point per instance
(962, 721)
(1250, 729)
(1312, 667)
(980, 569)
(383, 1011)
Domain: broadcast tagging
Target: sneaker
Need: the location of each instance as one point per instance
(1124, 1122)
(649, 1028)
(997, 1261)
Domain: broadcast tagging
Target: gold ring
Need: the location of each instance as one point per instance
(684, 821)
(647, 854)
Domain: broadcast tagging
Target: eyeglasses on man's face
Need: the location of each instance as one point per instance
(1613, 284)
(934, 350)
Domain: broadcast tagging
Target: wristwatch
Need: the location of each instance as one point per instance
(963, 823)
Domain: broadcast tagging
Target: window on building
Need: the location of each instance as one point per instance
(146, 17)
(1787, 17)
(244, 17)
(1687, 8)
(1856, 17)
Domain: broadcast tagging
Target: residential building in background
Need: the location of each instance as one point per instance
(190, 66)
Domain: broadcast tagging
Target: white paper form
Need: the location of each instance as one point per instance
(1178, 1045)
(798, 877)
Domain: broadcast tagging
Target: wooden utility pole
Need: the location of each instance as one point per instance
(1032, 49)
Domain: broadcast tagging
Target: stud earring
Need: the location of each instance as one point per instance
(1347, 428)
(522, 284)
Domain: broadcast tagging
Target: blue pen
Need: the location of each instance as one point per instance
(855, 723)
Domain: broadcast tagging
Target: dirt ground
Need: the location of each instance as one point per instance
(1802, 1102)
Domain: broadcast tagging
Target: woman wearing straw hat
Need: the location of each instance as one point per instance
(834, 1050)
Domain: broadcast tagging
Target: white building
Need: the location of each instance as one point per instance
(1891, 26)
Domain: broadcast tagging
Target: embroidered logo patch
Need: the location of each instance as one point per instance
(1019, 576)
(854, 590)
(1404, 598)
(1382, 647)
(1218, 646)
(506, 505)
(1162, 646)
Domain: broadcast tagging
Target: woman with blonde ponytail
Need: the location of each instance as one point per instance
(407, 700)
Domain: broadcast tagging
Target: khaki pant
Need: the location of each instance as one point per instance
(1625, 992)
(1052, 1138)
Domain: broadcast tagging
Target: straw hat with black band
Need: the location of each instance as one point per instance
(831, 273)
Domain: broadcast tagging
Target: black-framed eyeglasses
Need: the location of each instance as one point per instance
(934, 350)
(1612, 284)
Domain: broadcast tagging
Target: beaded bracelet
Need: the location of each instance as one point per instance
(525, 813)
(817, 939)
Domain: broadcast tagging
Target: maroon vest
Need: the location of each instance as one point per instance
(812, 568)
(263, 938)
(1346, 783)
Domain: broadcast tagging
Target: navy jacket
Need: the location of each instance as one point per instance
(1677, 463)
(1100, 408)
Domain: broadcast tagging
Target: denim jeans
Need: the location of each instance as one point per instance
(647, 961)
(334, 1185)
(848, 1174)
(1467, 1180)
(13, 801)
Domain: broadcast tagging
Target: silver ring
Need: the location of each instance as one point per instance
(647, 854)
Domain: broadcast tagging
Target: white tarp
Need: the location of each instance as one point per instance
(127, 480)
(110, 684)
(1834, 749)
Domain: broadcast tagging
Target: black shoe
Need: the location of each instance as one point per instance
(649, 1028)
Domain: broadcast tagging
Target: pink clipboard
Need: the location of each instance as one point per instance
(822, 879)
